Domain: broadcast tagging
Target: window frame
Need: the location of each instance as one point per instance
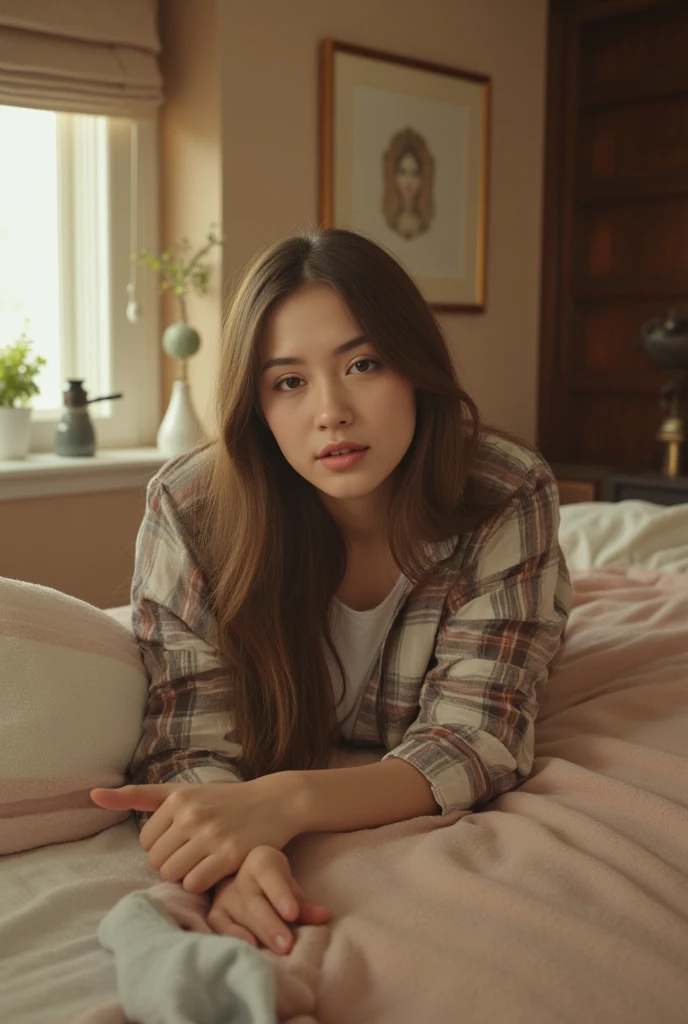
(133, 355)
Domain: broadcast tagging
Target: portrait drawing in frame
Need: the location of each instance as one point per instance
(404, 150)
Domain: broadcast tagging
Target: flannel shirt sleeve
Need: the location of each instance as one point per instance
(188, 730)
(473, 737)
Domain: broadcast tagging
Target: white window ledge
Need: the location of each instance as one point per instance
(43, 474)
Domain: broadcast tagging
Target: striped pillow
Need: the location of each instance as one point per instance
(73, 691)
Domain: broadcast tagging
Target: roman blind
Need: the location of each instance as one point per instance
(81, 56)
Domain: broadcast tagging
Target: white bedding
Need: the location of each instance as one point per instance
(565, 901)
(624, 535)
(52, 900)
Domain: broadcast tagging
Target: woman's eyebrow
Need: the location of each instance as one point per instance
(292, 360)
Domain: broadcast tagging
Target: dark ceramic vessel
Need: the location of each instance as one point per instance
(666, 341)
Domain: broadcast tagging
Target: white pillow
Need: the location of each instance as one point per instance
(73, 692)
(624, 535)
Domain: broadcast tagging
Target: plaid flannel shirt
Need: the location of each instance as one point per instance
(462, 661)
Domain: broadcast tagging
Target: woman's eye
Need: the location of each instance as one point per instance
(360, 362)
(285, 380)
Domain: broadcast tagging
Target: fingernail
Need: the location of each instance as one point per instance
(286, 906)
(281, 942)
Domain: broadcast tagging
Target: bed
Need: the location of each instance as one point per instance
(565, 900)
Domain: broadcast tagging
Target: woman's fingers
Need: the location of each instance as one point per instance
(272, 873)
(172, 860)
(160, 847)
(211, 870)
(263, 898)
(278, 885)
(285, 895)
(134, 798)
(260, 916)
(222, 924)
(310, 912)
(244, 904)
(313, 913)
(156, 826)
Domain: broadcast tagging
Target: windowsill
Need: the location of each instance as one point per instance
(43, 474)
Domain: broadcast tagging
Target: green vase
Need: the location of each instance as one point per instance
(181, 341)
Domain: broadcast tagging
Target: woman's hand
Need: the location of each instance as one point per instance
(200, 834)
(255, 904)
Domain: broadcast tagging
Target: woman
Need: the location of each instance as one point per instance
(407, 593)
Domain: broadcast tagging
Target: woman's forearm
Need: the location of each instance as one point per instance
(345, 799)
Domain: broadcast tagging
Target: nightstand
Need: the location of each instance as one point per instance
(662, 490)
(598, 483)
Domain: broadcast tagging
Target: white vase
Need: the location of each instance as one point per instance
(180, 428)
(15, 432)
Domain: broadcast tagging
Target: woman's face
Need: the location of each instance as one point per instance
(331, 387)
(408, 176)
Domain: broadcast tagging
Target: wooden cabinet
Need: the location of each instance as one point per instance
(573, 491)
(595, 483)
(653, 487)
(615, 224)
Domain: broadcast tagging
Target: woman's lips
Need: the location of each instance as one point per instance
(343, 461)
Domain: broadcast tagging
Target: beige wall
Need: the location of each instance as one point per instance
(255, 139)
(191, 170)
(270, 158)
(82, 544)
(239, 146)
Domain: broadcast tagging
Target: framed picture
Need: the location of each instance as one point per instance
(404, 160)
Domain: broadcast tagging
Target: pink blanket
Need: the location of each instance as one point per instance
(565, 900)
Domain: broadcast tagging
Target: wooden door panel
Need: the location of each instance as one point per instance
(616, 429)
(606, 348)
(634, 238)
(641, 44)
(638, 145)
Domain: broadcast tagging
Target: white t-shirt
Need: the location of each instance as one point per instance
(358, 638)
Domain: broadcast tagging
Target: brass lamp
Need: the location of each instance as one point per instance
(666, 342)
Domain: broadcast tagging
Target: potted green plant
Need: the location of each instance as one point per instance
(181, 270)
(18, 385)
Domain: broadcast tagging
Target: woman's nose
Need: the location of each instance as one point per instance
(331, 407)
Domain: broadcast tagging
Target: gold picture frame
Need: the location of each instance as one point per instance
(404, 159)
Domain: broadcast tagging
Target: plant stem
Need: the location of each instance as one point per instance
(199, 255)
(182, 308)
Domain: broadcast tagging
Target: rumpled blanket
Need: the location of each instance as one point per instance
(565, 900)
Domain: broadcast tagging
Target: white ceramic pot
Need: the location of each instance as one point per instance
(15, 433)
(180, 429)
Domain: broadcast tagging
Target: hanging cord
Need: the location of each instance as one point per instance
(134, 310)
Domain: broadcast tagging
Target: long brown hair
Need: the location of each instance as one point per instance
(274, 556)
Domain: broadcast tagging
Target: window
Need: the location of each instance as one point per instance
(65, 219)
